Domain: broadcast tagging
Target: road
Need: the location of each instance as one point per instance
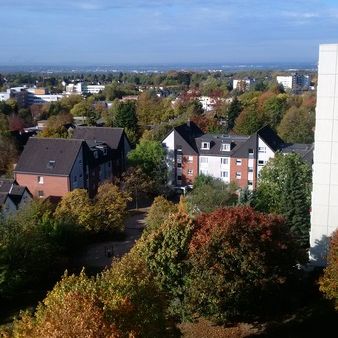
(96, 256)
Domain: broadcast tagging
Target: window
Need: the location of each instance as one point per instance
(204, 172)
(190, 172)
(224, 160)
(262, 149)
(204, 159)
(205, 145)
(251, 152)
(224, 174)
(261, 162)
(250, 183)
(190, 159)
(225, 147)
(75, 178)
(40, 194)
(179, 178)
(238, 162)
(250, 170)
(179, 158)
(238, 175)
(80, 163)
(40, 179)
(179, 165)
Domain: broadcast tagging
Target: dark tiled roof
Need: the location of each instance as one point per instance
(5, 185)
(189, 131)
(304, 150)
(3, 198)
(216, 141)
(270, 137)
(50, 156)
(110, 136)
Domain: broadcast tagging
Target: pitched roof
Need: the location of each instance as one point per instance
(304, 150)
(189, 131)
(270, 137)
(49, 156)
(5, 185)
(216, 141)
(111, 136)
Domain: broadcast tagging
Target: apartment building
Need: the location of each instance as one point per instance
(231, 158)
(243, 84)
(294, 81)
(324, 210)
(83, 88)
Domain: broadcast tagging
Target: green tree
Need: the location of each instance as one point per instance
(86, 109)
(274, 109)
(149, 155)
(209, 194)
(239, 258)
(166, 251)
(297, 126)
(8, 155)
(284, 187)
(234, 110)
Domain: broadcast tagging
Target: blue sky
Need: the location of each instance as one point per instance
(163, 31)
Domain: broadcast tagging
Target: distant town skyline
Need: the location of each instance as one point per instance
(163, 31)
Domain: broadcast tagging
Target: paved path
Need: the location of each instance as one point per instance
(96, 254)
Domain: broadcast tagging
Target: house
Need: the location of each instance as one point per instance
(231, 158)
(13, 197)
(115, 138)
(182, 154)
(51, 167)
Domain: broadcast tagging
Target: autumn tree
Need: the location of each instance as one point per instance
(137, 184)
(159, 211)
(297, 126)
(239, 258)
(56, 126)
(110, 208)
(284, 187)
(329, 281)
(8, 155)
(233, 112)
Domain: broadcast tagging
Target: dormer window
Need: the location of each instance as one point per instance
(205, 145)
(51, 164)
(225, 147)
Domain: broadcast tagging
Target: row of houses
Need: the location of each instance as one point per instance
(231, 158)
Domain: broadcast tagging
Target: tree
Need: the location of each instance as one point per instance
(239, 258)
(297, 126)
(329, 281)
(110, 208)
(85, 108)
(77, 207)
(158, 213)
(209, 194)
(56, 126)
(284, 187)
(233, 112)
(8, 155)
(274, 109)
(249, 120)
(150, 156)
(165, 251)
(137, 183)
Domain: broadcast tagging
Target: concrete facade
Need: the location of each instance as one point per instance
(324, 211)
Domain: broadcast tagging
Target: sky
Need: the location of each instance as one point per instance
(102, 32)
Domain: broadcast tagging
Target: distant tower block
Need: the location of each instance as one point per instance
(324, 215)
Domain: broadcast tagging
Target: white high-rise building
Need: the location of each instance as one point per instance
(324, 211)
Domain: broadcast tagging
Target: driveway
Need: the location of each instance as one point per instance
(100, 255)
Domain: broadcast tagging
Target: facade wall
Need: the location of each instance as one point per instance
(77, 180)
(169, 144)
(324, 210)
(239, 171)
(189, 169)
(215, 166)
(51, 186)
(8, 209)
(264, 153)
